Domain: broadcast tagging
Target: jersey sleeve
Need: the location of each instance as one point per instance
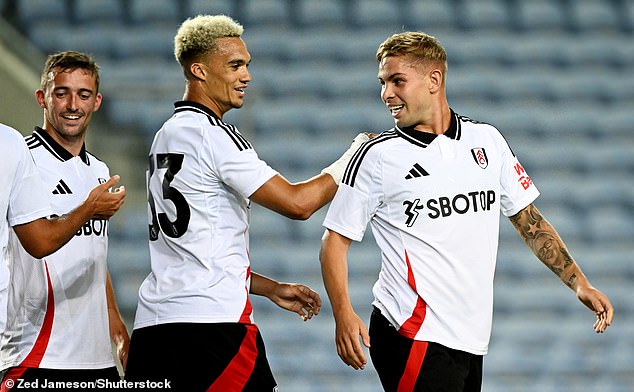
(27, 200)
(518, 190)
(239, 166)
(357, 199)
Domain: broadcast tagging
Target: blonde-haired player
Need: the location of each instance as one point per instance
(432, 189)
(194, 324)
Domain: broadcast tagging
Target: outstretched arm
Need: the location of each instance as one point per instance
(542, 238)
(349, 327)
(118, 331)
(293, 297)
(42, 237)
(300, 200)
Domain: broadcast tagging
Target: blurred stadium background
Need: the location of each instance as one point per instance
(555, 76)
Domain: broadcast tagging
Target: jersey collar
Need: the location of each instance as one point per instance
(425, 138)
(180, 106)
(56, 149)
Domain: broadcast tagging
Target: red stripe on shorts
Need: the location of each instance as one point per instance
(237, 373)
(412, 368)
(10, 379)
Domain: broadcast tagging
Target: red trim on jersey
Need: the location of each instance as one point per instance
(237, 373)
(245, 318)
(412, 368)
(34, 358)
(410, 327)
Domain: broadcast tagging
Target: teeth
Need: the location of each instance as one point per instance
(395, 107)
(72, 117)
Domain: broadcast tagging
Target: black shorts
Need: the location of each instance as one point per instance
(404, 364)
(201, 357)
(35, 379)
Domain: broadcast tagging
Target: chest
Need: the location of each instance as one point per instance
(68, 183)
(444, 168)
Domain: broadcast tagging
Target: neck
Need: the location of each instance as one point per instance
(72, 144)
(192, 94)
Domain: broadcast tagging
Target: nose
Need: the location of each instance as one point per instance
(386, 92)
(246, 76)
(71, 103)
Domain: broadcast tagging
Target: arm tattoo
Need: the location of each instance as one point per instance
(545, 243)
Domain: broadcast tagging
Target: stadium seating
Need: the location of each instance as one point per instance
(555, 76)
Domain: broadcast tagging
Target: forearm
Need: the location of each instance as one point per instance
(114, 314)
(296, 201)
(544, 241)
(334, 270)
(43, 236)
(261, 285)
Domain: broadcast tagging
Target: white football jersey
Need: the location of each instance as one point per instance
(433, 202)
(201, 174)
(57, 311)
(22, 199)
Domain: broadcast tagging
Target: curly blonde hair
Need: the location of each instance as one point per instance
(197, 36)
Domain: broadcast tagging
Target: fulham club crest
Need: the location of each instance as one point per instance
(480, 157)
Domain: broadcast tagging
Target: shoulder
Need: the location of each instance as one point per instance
(96, 162)
(207, 128)
(369, 154)
(479, 129)
(12, 145)
(10, 138)
(469, 126)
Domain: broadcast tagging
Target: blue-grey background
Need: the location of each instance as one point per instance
(555, 76)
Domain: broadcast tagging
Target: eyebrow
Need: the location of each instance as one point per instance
(238, 62)
(81, 90)
(391, 76)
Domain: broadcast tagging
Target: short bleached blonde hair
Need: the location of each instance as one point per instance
(197, 36)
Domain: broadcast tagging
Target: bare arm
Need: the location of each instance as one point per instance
(300, 200)
(349, 327)
(296, 201)
(42, 237)
(118, 331)
(296, 298)
(542, 238)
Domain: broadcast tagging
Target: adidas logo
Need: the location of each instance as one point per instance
(62, 189)
(416, 171)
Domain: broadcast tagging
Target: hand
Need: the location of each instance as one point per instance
(600, 304)
(297, 298)
(349, 328)
(337, 168)
(104, 203)
(120, 338)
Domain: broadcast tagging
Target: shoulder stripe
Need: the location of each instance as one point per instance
(233, 133)
(352, 169)
(33, 141)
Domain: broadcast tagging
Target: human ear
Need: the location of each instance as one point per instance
(435, 80)
(39, 96)
(198, 71)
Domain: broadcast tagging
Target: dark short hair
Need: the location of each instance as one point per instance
(69, 60)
